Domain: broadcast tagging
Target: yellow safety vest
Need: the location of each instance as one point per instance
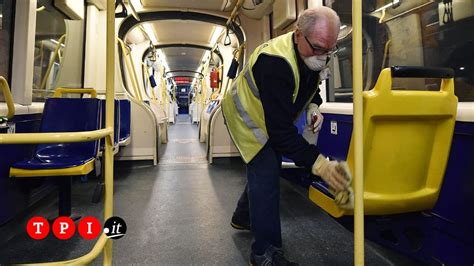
(241, 105)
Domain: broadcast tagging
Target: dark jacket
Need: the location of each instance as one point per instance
(274, 79)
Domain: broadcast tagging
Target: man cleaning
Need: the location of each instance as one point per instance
(280, 79)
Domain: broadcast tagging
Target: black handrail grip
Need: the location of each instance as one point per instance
(421, 72)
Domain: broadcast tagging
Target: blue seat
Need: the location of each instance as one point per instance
(63, 159)
(125, 118)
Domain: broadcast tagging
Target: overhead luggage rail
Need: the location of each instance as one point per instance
(407, 139)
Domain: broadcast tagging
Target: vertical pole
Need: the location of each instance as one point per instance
(109, 123)
(134, 77)
(358, 133)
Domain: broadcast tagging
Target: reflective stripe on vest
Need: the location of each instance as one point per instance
(241, 105)
(252, 85)
(258, 133)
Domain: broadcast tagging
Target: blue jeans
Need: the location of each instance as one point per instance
(262, 198)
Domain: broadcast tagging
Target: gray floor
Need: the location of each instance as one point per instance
(179, 212)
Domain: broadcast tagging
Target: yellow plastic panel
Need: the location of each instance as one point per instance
(407, 139)
(325, 202)
(71, 171)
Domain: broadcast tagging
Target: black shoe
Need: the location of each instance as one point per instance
(240, 221)
(275, 258)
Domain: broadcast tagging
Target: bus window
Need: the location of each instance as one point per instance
(412, 33)
(58, 56)
(49, 48)
(6, 37)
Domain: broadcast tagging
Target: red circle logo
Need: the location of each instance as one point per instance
(37, 228)
(64, 228)
(89, 227)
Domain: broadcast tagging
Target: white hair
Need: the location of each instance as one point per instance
(310, 17)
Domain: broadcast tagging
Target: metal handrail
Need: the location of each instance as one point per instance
(357, 85)
(103, 243)
(8, 97)
(235, 12)
(54, 137)
(133, 97)
(131, 71)
(240, 51)
(147, 75)
(135, 76)
(60, 91)
(51, 62)
(109, 122)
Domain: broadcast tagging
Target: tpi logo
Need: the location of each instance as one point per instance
(115, 227)
(64, 228)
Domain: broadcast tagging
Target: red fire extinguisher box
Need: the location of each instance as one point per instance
(214, 78)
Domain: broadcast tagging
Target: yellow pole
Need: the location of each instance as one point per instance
(109, 123)
(204, 93)
(357, 83)
(129, 66)
(235, 11)
(54, 137)
(51, 62)
(8, 97)
(135, 77)
(168, 104)
(132, 79)
(162, 92)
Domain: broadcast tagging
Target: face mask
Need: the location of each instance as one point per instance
(316, 62)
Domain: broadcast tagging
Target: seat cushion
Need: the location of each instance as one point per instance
(56, 161)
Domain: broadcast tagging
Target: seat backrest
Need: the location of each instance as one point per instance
(70, 115)
(125, 118)
(117, 111)
(407, 139)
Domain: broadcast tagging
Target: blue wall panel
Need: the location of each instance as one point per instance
(335, 144)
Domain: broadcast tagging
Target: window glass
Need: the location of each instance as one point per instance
(6, 36)
(49, 49)
(58, 56)
(411, 33)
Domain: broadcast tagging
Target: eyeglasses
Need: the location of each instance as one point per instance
(321, 51)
